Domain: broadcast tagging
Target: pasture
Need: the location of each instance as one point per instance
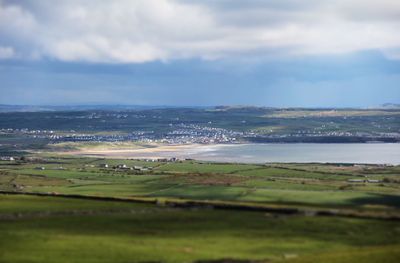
(325, 185)
(42, 229)
(190, 211)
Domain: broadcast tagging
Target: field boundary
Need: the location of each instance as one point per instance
(227, 205)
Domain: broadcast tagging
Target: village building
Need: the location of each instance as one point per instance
(7, 158)
(122, 166)
(356, 180)
(373, 181)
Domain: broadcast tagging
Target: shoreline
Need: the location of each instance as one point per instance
(157, 151)
(363, 153)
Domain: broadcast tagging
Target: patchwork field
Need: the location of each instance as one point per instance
(190, 211)
(306, 184)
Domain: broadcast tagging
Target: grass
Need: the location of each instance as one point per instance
(41, 229)
(279, 172)
(144, 233)
(304, 184)
(25, 203)
(196, 167)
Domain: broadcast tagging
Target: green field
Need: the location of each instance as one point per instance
(45, 228)
(305, 184)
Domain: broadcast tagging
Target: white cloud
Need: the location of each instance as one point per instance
(6, 52)
(137, 31)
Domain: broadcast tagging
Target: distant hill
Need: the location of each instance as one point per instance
(390, 106)
(36, 108)
(222, 108)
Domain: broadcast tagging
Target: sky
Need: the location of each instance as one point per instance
(278, 53)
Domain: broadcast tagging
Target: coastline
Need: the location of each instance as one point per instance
(155, 152)
(367, 153)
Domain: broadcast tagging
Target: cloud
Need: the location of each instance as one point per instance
(139, 31)
(6, 52)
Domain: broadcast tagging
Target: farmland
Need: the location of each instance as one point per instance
(92, 231)
(305, 184)
(191, 211)
(193, 131)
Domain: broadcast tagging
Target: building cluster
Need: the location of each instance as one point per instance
(7, 158)
(313, 133)
(192, 133)
(363, 181)
(123, 166)
(184, 133)
(174, 134)
(26, 131)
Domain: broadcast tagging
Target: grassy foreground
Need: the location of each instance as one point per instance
(61, 229)
(49, 229)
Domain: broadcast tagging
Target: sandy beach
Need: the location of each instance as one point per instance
(154, 152)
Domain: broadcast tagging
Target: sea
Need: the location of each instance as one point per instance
(371, 153)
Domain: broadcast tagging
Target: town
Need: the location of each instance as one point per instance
(191, 133)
